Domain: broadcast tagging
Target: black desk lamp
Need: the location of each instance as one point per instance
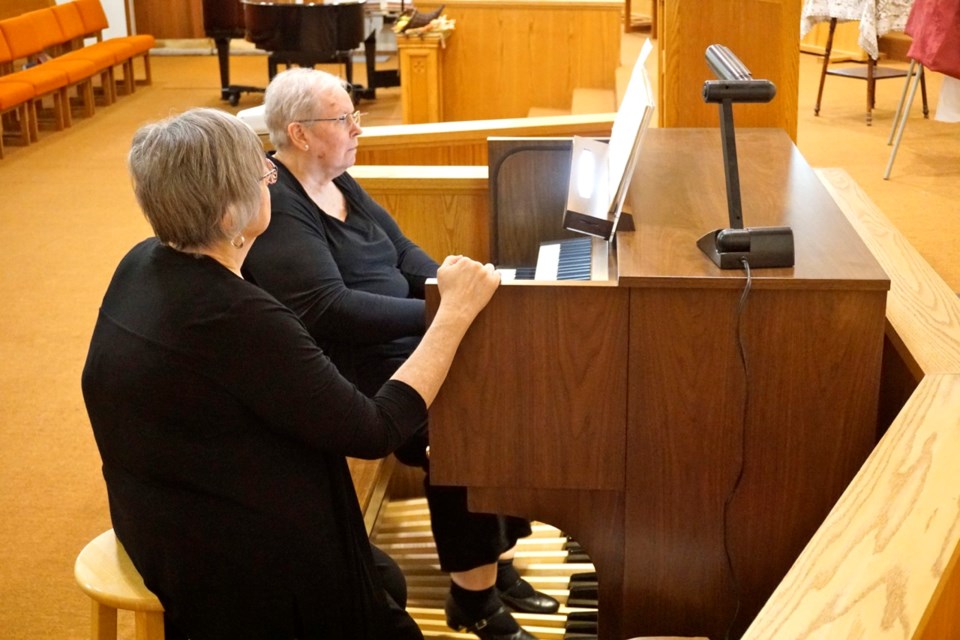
(761, 246)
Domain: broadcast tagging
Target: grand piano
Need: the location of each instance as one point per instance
(297, 33)
(689, 431)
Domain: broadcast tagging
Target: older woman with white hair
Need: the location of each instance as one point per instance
(339, 260)
(222, 426)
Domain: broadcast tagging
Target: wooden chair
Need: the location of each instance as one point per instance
(46, 29)
(871, 73)
(126, 47)
(105, 573)
(23, 42)
(15, 102)
(72, 48)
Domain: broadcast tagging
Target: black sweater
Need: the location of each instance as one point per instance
(357, 285)
(223, 430)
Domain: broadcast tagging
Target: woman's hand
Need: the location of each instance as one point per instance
(465, 285)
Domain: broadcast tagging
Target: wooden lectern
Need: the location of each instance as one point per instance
(689, 435)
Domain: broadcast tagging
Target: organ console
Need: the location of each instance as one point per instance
(689, 438)
(297, 33)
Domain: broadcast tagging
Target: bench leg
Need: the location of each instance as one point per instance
(147, 74)
(104, 622)
(149, 625)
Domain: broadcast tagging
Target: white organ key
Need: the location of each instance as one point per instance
(548, 260)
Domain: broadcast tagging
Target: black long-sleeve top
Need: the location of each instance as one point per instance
(357, 285)
(223, 430)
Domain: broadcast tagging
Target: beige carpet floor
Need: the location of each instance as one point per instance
(68, 215)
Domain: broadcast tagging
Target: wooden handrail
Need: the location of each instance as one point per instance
(481, 129)
(883, 563)
(923, 313)
(464, 142)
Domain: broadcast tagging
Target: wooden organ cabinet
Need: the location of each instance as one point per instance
(624, 411)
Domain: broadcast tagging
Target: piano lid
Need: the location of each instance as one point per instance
(222, 19)
(307, 28)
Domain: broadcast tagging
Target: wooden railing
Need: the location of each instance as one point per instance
(884, 562)
(465, 142)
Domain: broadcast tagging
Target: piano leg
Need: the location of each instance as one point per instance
(370, 56)
(375, 79)
(230, 93)
(347, 60)
(223, 57)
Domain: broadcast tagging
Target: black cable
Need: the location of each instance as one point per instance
(743, 442)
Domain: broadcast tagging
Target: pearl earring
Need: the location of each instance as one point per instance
(306, 147)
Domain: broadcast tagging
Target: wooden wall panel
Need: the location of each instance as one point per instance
(11, 8)
(762, 33)
(169, 19)
(506, 57)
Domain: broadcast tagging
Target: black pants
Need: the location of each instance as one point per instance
(465, 540)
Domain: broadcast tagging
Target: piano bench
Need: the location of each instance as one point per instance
(105, 573)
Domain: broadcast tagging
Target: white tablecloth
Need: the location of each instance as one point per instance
(948, 108)
(876, 17)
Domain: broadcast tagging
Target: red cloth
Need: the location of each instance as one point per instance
(934, 26)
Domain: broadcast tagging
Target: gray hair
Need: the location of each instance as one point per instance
(292, 95)
(191, 169)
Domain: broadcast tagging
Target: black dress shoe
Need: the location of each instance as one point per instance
(492, 627)
(536, 602)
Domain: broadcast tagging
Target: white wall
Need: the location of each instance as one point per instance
(116, 17)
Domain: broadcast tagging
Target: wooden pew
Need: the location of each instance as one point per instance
(445, 212)
(371, 479)
(884, 562)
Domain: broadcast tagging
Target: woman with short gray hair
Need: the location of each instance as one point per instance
(186, 168)
(338, 259)
(223, 428)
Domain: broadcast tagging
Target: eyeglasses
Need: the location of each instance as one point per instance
(345, 120)
(271, 175)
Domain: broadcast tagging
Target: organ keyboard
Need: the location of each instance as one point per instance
(582, 258)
